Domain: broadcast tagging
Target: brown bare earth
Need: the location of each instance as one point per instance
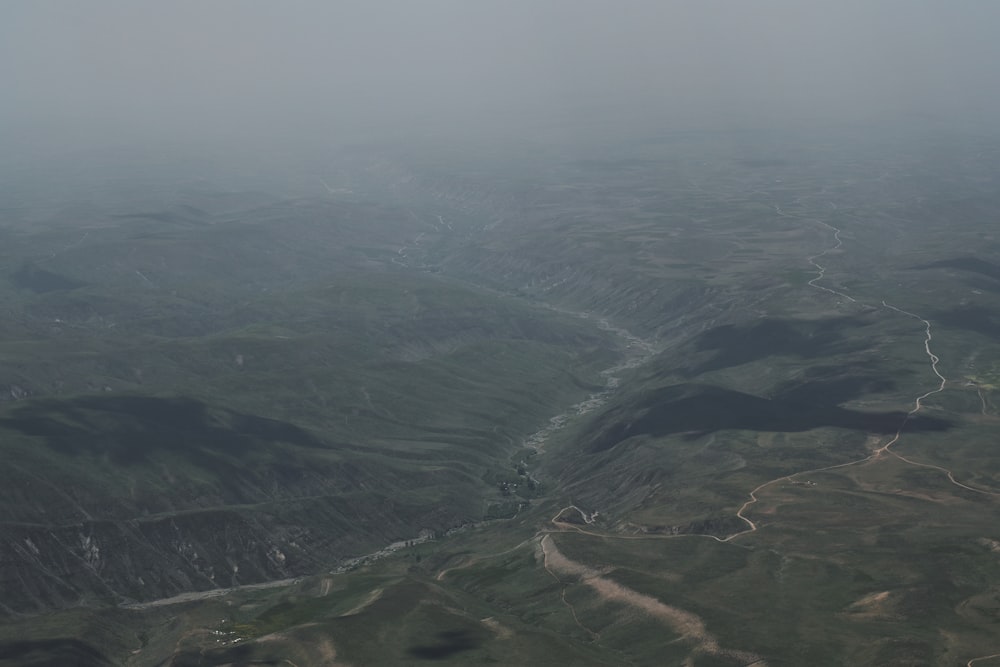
(325, 653)
(684, 623)
(364, 604)
(872, 606)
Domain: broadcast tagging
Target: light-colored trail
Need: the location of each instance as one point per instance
(821, 270)
(918, 402)
(982, 399)
(587, 518)
(688, 625)
(684, 623)
(205, 595)
(751, 526)
(472, 561)
(594, 636)
(928, 337)
(567, 527)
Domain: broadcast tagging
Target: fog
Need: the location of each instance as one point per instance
(190, 74)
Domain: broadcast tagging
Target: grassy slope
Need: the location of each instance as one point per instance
(183, 380)
(762, 376)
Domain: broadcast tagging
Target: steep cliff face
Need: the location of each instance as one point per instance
(211, 399)
(195, 397)
(130, 498)
(141, 560)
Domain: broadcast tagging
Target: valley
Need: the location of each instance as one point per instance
(693, 399)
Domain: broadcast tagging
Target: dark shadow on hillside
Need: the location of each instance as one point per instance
(448, 644)
(696, 410)
(241, 654)
(51, 653)
(127, 429)
(971, 318)
(32, 277)
(833, 385)
(807, 339)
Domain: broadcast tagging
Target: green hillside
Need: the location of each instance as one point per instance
(660, 402)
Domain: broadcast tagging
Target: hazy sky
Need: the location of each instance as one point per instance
(194, 71)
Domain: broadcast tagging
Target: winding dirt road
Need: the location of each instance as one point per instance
(875, 455)
(918, 402)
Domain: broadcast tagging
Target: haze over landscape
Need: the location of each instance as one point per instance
(557, 332)
(154, 75)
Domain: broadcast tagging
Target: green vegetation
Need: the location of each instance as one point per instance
(552, 389)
